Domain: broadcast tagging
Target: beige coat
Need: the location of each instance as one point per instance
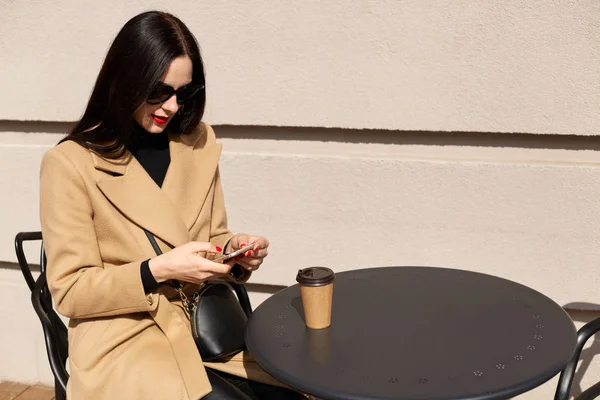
(123, 343)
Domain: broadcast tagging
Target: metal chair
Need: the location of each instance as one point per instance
(565, 381)
(55, 331)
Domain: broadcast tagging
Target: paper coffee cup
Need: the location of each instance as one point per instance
(316, 290)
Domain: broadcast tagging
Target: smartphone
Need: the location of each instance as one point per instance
(234, 254)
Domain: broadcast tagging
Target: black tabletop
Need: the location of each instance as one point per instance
(415, 333)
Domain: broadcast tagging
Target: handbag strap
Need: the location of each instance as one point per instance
(189, 306)
(153, 242)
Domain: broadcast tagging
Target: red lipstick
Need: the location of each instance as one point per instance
(160, 120)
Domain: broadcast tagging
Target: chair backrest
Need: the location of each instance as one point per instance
(563, 388)
(55, 331)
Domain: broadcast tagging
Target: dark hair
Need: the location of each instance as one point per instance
(136, 60)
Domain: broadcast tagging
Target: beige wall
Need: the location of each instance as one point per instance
(491, 204)
(503, 66)
(480, 152)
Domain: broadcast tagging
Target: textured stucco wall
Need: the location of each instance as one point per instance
(528, 214)
(500, 66)
(427, 189)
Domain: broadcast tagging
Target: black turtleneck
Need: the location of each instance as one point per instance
(152, 152)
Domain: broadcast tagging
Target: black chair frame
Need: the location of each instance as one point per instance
(565, 381)
(55, 331)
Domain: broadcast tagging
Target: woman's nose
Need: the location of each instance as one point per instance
(171, 104)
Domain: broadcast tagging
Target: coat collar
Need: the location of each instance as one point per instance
(168, 212)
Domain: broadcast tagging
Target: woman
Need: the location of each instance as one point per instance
(140, 159)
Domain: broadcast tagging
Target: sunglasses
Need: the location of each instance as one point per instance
(163, 92)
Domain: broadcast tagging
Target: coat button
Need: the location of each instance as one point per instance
(150, 299)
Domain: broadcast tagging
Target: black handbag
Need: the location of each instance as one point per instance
(217, 318)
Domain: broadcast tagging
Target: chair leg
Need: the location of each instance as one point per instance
(59, 394)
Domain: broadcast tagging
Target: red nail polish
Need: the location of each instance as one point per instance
(242, 245)
(248, 253)
(218, 248)
(255, 247)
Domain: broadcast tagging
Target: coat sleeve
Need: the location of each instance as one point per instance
(80, 284)
(219, 232)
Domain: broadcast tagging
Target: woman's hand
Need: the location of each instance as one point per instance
(252, 259)
(183, 263)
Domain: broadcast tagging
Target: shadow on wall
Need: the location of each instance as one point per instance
(584, 312)
(424, 138)
(378, 136)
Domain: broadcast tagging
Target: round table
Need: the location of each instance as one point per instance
(415, 333)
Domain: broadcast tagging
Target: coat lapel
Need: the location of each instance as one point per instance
(191, 175)
(133, 192)
(170, 212)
